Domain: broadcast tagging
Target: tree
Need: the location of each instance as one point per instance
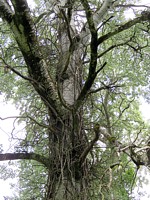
(75, 69)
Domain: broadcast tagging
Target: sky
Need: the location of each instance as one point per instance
(5, 132)
(6, 127)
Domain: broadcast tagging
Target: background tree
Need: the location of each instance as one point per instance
(76, 69)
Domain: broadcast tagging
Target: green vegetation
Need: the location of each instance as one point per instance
(76, 71)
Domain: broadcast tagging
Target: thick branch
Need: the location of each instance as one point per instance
(131, 5)
(20, 6)
(89, 16)
(93, 56)
(144, 17)
(5, 11)
(90, 79)
(25, 156)
(106, 87)
(22, 26)
(98, 16)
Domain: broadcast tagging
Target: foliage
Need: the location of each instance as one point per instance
(76, 71)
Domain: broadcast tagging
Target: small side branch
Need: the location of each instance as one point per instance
(106, 87)
(19, 74)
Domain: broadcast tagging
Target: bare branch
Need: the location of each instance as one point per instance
(111, 48)
(17, 72)
(142, 148)
(131, 5)
(27, 116)
(25, 156)
(107, 87)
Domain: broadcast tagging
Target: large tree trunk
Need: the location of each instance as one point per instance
(68, 142)
(66, 171)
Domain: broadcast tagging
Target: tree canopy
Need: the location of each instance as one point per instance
(76, 71)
